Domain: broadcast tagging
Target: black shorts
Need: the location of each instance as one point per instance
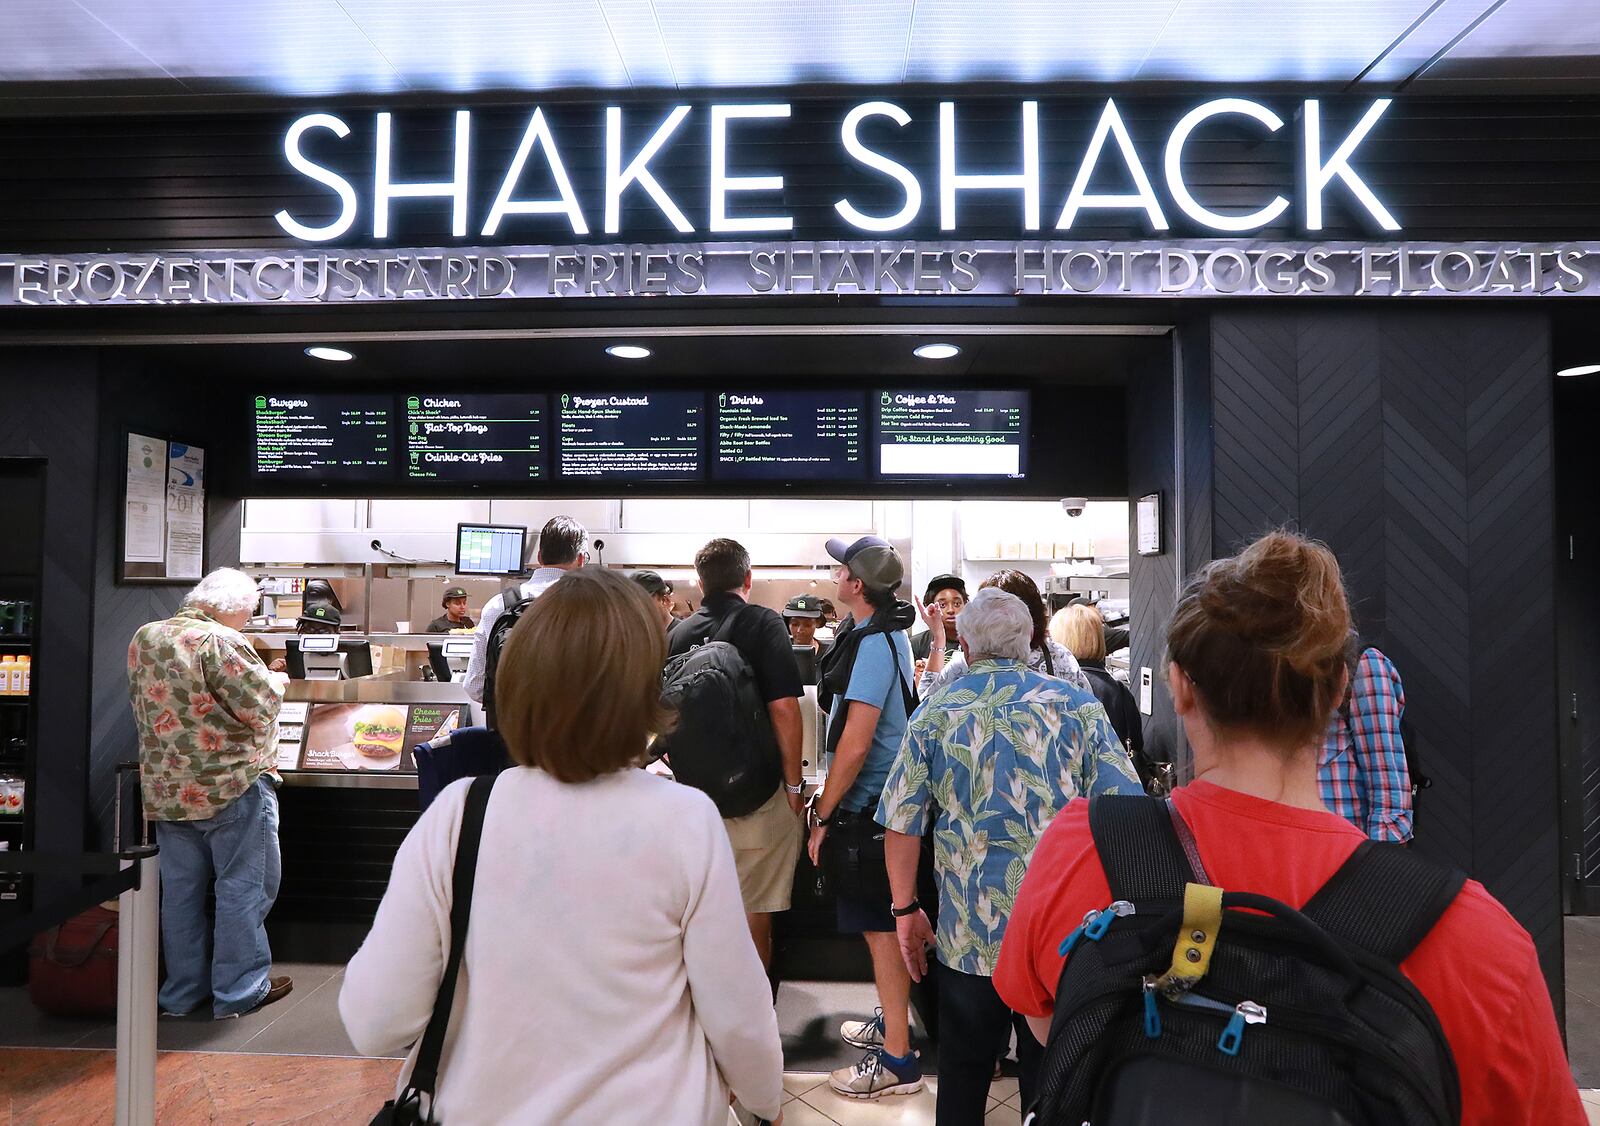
(863, 916)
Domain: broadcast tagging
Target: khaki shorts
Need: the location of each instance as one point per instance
(766, 849)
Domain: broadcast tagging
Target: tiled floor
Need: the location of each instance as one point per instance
(207, 1073)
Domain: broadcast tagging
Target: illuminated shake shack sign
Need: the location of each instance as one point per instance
(876, 196)
(1110, 176)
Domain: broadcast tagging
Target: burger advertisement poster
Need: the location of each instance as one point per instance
(372, 737)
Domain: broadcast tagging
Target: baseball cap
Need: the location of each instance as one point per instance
(872, 560)
(654, 585)
(323, 615)
(945, 582)
(453, 592)
(803, 606)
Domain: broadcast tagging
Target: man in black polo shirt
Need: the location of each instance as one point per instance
(766, 843)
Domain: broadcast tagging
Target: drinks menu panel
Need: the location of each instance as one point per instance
(778, 435)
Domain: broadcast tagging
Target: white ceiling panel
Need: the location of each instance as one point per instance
(290, 46)
(1280, 41)
(777, 42)
(489, 44)
(1033, 40)
(1433, 34)
(1536, 39)
(56, 40)
(637, 33)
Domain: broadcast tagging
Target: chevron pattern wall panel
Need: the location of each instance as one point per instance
(134, 400)
(1417, 444)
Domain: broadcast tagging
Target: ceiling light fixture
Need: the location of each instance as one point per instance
(1581, 369)
(936, 352)
(338, 355)
(628, 351)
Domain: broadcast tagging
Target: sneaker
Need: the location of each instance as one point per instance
(277, 989)
(864, 1034)
(877, 1075)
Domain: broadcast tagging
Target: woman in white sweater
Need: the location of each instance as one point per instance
(609, 975)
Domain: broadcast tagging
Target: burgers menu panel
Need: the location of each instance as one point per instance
(317, 437)
(773, 435)
(644, 435)
(473, 438)
(941, 433)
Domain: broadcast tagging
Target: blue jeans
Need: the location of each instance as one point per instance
(239, 847)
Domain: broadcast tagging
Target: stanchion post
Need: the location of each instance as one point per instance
(138, 941)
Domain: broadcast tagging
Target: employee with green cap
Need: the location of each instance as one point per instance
(455, 613)
(320, 618)
(803, 614)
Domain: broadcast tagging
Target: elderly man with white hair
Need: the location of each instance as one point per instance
(992, 757)
(207, 711)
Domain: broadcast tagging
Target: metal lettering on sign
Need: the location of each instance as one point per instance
(1191, 269)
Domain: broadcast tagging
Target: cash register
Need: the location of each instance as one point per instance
(327, 657)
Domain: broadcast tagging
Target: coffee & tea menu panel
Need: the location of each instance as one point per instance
(939, 432)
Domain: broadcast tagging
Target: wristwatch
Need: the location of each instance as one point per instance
(909, 909)
(798, 787)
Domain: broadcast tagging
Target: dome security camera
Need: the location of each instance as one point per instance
(1074, 506)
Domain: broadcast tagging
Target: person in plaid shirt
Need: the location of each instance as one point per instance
(1362, 770)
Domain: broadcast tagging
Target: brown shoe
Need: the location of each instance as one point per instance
(277, 989)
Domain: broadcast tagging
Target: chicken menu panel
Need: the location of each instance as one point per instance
(952, 433)
(643, 435)
(476, 438)
(316, 437)
(775, 435)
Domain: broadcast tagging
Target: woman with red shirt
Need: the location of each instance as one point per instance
(1264, 632)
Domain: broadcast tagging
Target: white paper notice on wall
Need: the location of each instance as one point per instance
(144, 521)
(1146, 685)
(1149, 533)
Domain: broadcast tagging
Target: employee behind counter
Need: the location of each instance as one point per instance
(321, 618)
(455, 614)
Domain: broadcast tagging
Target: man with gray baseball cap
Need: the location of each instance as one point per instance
(867, 683)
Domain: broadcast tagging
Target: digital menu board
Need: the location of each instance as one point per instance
(317, 437)
(476, 438)
(943, 433)
(642, 435)
(768, 435)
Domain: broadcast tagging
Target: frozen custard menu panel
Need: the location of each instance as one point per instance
(952, 433)
(769, 435)
(467, 439)
(323, 438)
(640, 435)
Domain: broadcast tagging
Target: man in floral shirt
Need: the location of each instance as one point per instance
(992, 756)
(207, 711)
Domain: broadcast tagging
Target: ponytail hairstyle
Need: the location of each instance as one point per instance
(1263, 636)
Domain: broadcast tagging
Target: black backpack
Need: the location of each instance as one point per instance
(513, 605)
(723, 743)
(1184, 1003)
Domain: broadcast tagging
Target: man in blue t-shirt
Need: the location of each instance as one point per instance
(869, 673)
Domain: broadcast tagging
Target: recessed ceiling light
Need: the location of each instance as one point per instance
(628, 351)
(1581, 369)
(338, 355)
(936, 351)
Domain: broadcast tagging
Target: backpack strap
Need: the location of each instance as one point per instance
(1385, 899)
(511, 597)
(1140, 847)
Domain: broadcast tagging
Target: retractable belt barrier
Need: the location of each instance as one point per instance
(133, 877)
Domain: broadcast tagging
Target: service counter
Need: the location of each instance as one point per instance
(363, 732)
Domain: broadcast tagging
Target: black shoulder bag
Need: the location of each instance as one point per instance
(408, 1109)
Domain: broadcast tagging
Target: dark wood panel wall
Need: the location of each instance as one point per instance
(51, 400)
(1449, 168)
(1417, 444)
(132, 398)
